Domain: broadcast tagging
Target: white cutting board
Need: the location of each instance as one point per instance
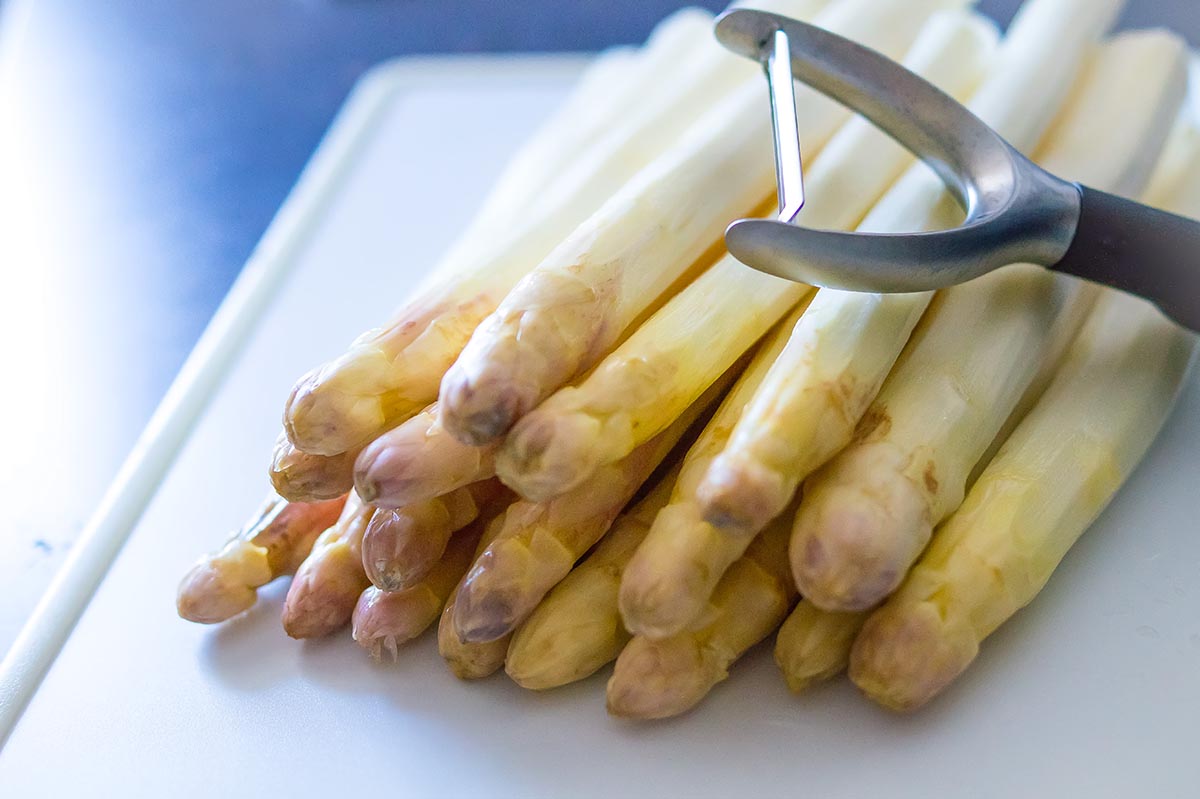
(1095, 691)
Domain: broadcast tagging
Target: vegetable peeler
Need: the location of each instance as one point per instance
(1017, 212)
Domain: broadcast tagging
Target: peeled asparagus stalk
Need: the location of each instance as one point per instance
(300, 477)
(577, 628)
(671, 358)
(383, 620)
(540, 542)
(402, 545)
(1045, 487)
(669, 579)
(1048, 483)
(418, 461)
(658, 678)
(814, 645)
(272, 544)
(845, 345)
(326, 586)
(567, 313)
(869, 513)
(393, 372)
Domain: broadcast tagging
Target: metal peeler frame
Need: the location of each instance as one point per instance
(1016, 211)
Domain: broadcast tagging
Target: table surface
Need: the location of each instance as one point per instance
(144, 148)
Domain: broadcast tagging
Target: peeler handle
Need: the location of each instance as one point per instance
(1138, 249)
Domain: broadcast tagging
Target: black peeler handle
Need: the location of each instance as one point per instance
(1138, 249)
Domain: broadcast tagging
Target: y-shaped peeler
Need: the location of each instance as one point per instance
(1016, 211)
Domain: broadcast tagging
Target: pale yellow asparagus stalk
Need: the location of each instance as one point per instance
(540, 542)
(845, 345)
(577, 628)
(658, 678)
(869, 513)
(668, 581)
(640, 387)
(383, 620)
(391, 373)
(471, 661)
(401, 545)
(328, 582)
(1045, 487)
(1047, 484)
(813, 645)
(299, 477)
(417, 461)
(569, 311)
(272, 544)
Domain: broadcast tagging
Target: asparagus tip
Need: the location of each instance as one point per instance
(472, 414)
(649, 603)
(905, 657)
(207, 595)
(481, 616)
(547, 454)
(846, 552)
(739, 497)
(321, 418)
(658, 679)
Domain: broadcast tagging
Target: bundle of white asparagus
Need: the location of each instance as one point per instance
(582, 441)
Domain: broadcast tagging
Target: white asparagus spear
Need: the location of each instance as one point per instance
(577, 628)
(327, 584)
(1047, 484)
(273, 543)
(566, 314)
(640, 387)
(813, 645)
(669, 579)
(471, 661)
(658, 678)
(385, 620)
(845, 345)
(300, 477)
(869, 512)
(401, 545)
(390, 373)
(418, 461)
(607, 84)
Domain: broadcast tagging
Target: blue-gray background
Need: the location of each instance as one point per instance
(155, 140)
